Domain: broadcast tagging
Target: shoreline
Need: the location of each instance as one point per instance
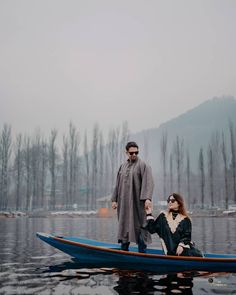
(105, 213)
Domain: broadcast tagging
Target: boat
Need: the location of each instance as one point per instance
(103, 254)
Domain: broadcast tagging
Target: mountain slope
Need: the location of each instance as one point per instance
(196, 127)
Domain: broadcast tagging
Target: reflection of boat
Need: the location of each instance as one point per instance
(109, 255)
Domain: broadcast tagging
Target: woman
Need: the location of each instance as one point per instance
(174, 228)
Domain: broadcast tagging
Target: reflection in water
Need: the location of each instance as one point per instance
(128, 282)
(125, 282)
(215, 235)
(30, 266)
(147, 284)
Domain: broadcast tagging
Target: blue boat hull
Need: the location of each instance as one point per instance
(102, 254)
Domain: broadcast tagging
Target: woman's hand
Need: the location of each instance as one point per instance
(179, 250)
(148, 206)
(114, 205)
(148, 210)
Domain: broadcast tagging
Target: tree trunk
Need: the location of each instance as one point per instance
(5, 143)
(179, 155)
(52, 168)
(211, 175)
(164, 156)
(87, 172)
(188, 170)
(225, 160)
(202, 177)
(233, 155)
(94, 165)
(19, 171)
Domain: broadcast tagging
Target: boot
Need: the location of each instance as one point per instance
(125, 246)
(141, 244)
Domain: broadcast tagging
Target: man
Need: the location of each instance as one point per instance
(131, 196)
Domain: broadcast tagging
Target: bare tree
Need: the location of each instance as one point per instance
(202, 177)
(19, 170)
(117, 148)
(28, 171)
(217, 168)
(211, 174)
(233, 156)
(107, 173)
(145, 145)
(94, 164)
(179, 156)
(112, 151)
(52, 167)
(87, 172)
(226, 181)
(171, 172)
(164, 158)
(188, 172)
(125, 133)
(43, 167)
(101, 164)
(1, 168)
(65, 165)
(73, 162)
(5, 143)
(35, 163)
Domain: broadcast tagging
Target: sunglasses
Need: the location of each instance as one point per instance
(172, 200)
(133, 153)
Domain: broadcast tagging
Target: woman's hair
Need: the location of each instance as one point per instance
(180, 200)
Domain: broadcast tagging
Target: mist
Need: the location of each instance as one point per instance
(108, 62)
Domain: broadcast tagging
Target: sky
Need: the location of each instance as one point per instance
(107, 62)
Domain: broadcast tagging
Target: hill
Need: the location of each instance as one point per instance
(196, 127)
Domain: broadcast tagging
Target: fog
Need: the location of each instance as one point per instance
(109, 61)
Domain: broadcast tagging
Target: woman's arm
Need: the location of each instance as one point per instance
(185, 238)
(153, 226)
(187, 232)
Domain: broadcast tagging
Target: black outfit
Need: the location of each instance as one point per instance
(174, 229)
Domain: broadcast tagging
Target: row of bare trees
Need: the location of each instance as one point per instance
(213, 183)
(35, 173)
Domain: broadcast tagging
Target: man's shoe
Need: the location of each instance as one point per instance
(142, 248)
(125, 246)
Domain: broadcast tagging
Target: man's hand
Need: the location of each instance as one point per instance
(114, 205)
(179, 250)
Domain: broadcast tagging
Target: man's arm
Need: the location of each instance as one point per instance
(147, 183)
(114, 196)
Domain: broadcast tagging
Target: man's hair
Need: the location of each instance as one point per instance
(131, 144)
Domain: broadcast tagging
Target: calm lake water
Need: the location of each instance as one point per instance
(30, 266)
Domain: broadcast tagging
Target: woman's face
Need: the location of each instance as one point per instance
(172, 203)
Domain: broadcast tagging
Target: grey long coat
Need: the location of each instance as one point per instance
(134, 185)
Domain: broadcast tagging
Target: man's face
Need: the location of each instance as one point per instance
(132, 153)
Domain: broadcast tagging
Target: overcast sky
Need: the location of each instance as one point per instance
(109, 61)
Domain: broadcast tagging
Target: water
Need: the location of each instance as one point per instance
(30, 266)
